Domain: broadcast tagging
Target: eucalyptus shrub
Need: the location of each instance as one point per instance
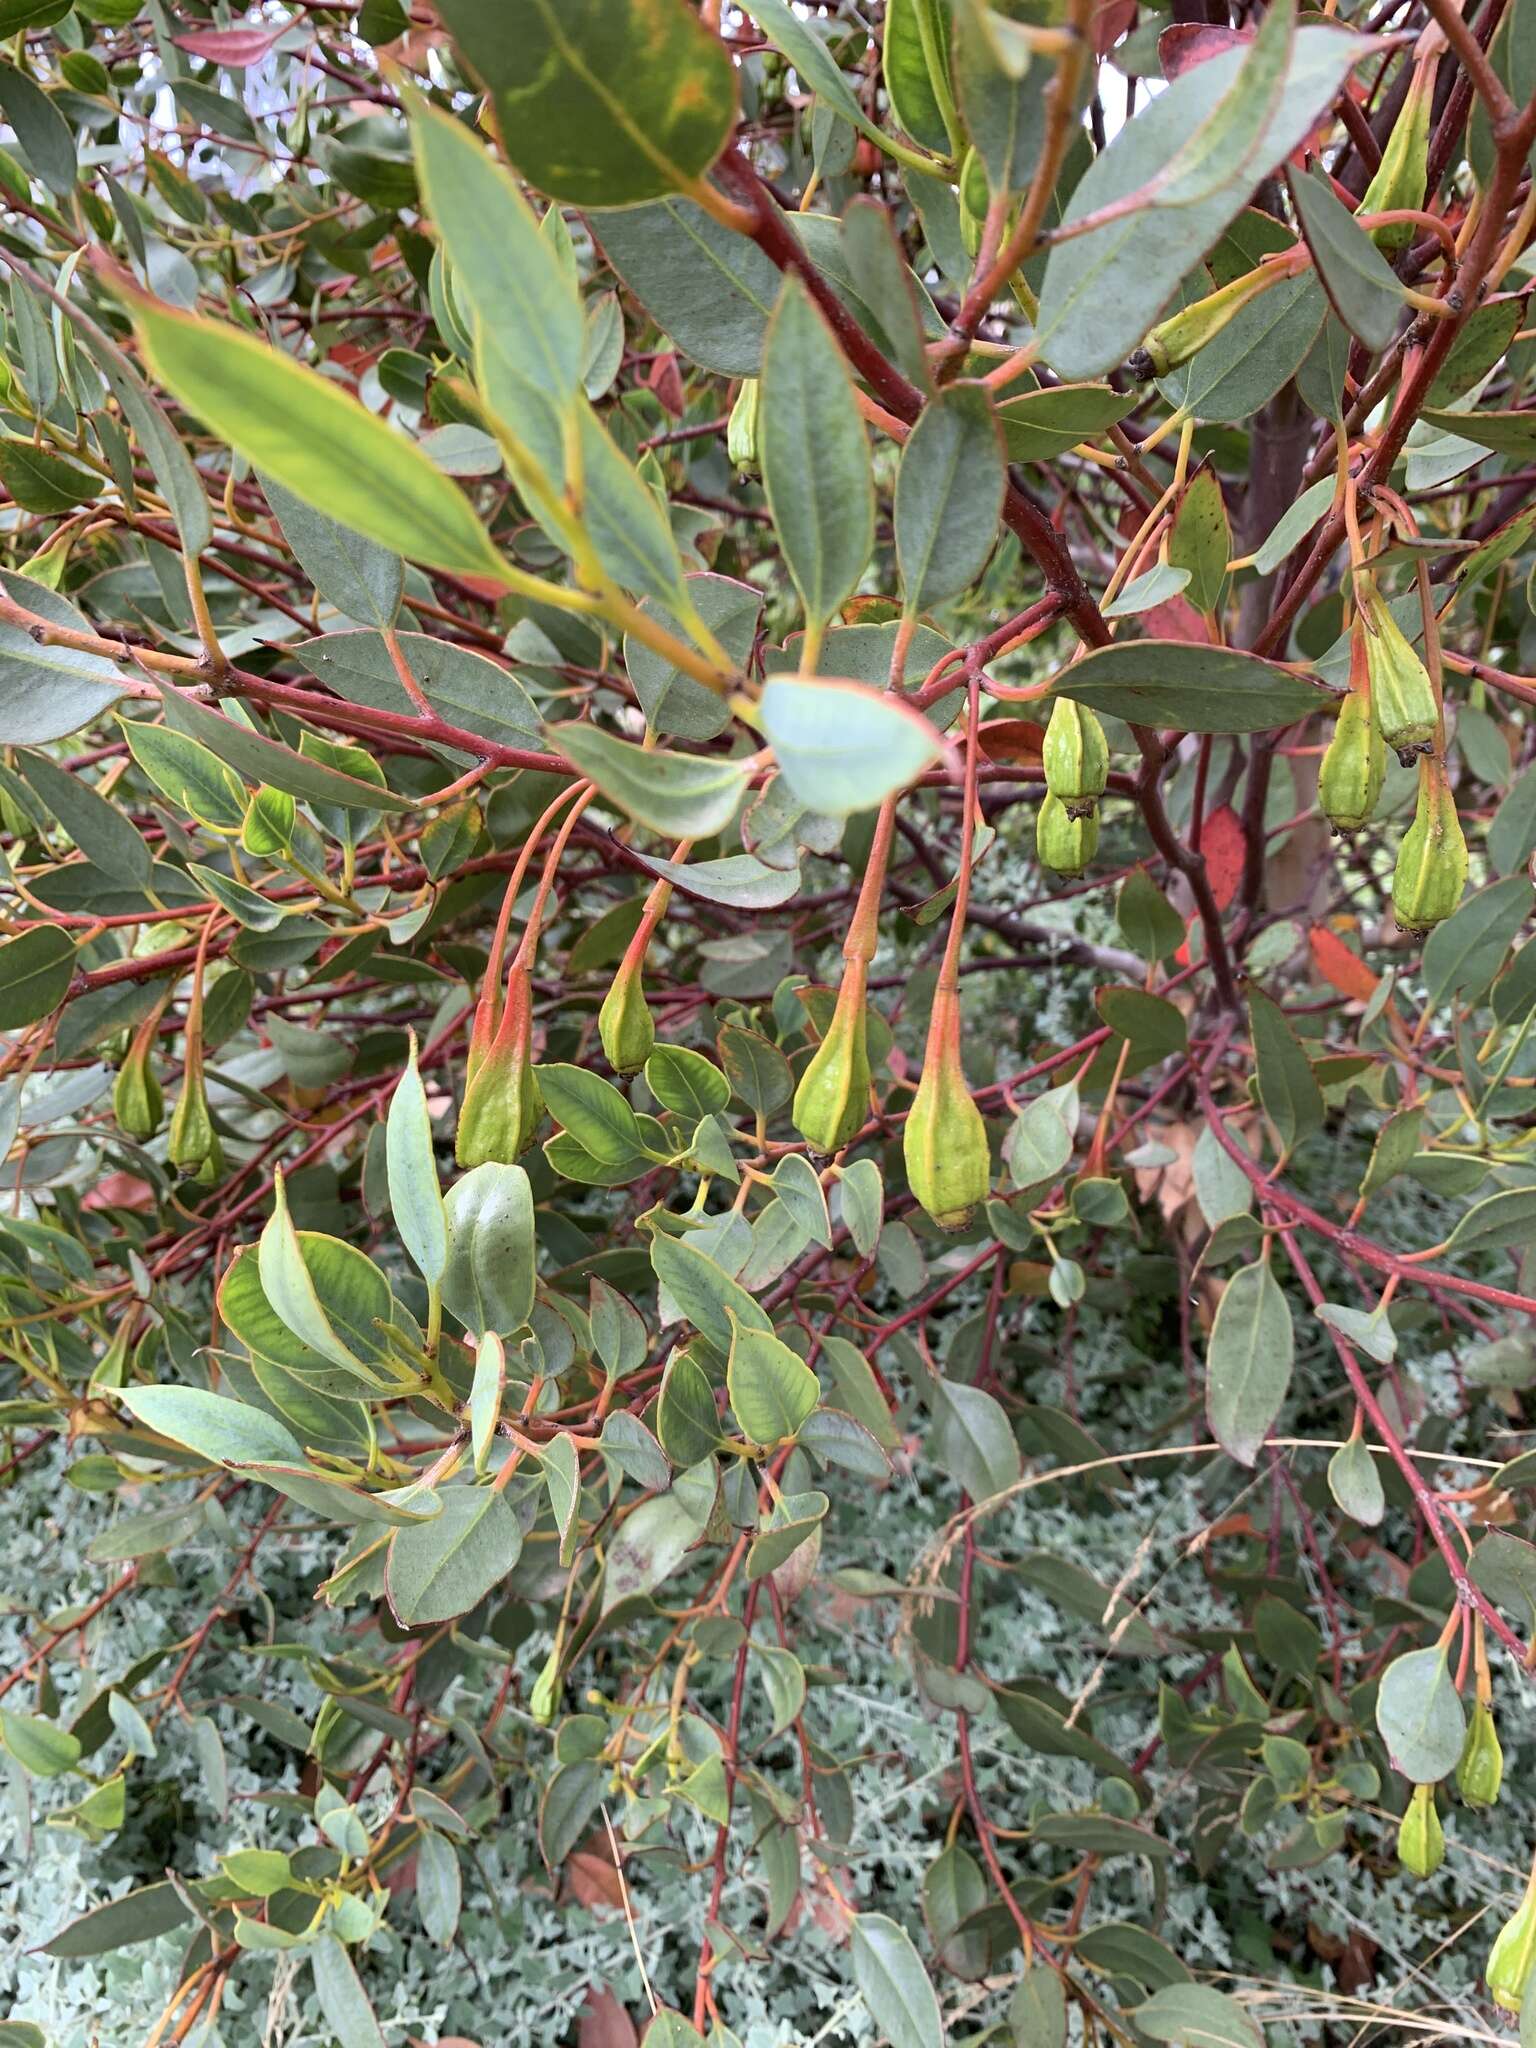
(769, 1223)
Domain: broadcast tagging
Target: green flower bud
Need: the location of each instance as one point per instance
(193, 1145)
(1400, 176)
(138, 1100)
(832, 1099)
(1185, 333)
(624, 1022)
(1354, 767)
(1513, 1955)
(945, 1146)
(1431, 869)
(1065, 844)
(1481, 1770)
(502, 1104)
(1420, 1837)
(1076, 757)
(741, 429)
(1402, 696)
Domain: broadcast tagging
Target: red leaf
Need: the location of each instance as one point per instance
(1111, 23)
(232, 47)
(1340, 965)
(1176, 619)
(1188, 43)
(1224, 847)
(604, 2022)
(1011, 739)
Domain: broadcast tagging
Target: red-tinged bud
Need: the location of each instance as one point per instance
(138, 1100)
(502, 1104)
(945, 1146)
(1402, 695)
(1431, 869)
(1420, 1837)
(832, 1099)
(624, 1022)
(1354, 767)
(1480, 1773)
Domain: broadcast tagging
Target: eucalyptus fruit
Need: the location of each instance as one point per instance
(1183, 334)
(502, 1104)
(832, 1099)
(1513, 1955)
(944, 1143)
(1403, 699)
(1420, 1837)
(1480, 1773)
(138, 1100)
(624, 1022)
(1065, 843)
(1353, 768)
(1398, 180)
(1076, 756)
(741, 428)
(1431, 869)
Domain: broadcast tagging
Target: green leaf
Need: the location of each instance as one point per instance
(863, 1203)
(771, 1391)
(1037, 2009)
(343, 2001)
(1154, 587)
(1462, 955)
(1288, 1088)
(686, 1082)
(1194, 688)
(182, 769)
(595, 1113)
(949, 495)
(1361, 285)
(1355, 1483)
(908, 83)
(704, 1293)
(687, 1422)
(1371, 1333)
(439, 1887)
(46, 693)
(972, 1440)
(35, 973)
(489, 1277)
(462, 687)
(357, 1304)
(883, 280)
(356, 575)
(683, 796)
(818, 68)
(290, 1286)
(649, 1547)
(1195, 2016)
(894, 1985)
(1200, 539)
(438, 1570)
(740, 880)
(1248, 1361)
(600, 102)
(43, 1749)
(174, 471)
(1502, 1222)
(1040, 425)
(264, 761)
(1154, 1026)
(42, 132)
(98, 827)
(246, 905)
(710, 290)
(1004, 107)
(1507, 433)
(142, 1915)
(322, 445)
(841, 746)
(415, 1200)
(223, 1431)
(1420, 1715)
(1225, 143)
(485, 1392)
(1149, 922)
(1294, 524)
(41, 481)
(1104, 289)
(815, 456)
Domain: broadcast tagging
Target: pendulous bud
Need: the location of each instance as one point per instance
(502, 1104)
(1513, 1955)
(1481, 1770)
(624, 1022)
(1354, 767)
(1064, 843)
(1431, 869)
(1183, 334)
(1420, 1837)
(138, 1100)
(1400, 177)
(1402, 695)
(1076, 758)
(832, 1099)
(741, 428)
(945, 1146)
(192, 1145)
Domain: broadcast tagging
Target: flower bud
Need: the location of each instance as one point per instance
(1513, 1955)
(945, 1146)
(1064, 844)
(1076, 757)
(502, 1104)
(1400, 177)
(193, 1145)
(832, 1099)
(1185, 333)
(1402, 696)
(138, 1100)
(624, 1022)
(1481, 1770)
(1431, 869)
(1354, 767)
(1420, 1837)
(741, 429)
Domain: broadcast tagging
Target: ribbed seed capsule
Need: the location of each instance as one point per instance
(1420, 1837)
(1480, 1772)
(832, 1099)
(1513, 1955)
(945, 1146)
(624, 1022)
(1174, 340)
(741, 428)
(1431, 869)
(1064, 844)
(1354, 767)
(502, 1104)
(1076, 757)
(1400, 177)
(138, 1100)
(1402, 696)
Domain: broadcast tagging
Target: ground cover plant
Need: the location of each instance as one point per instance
(768, 796)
